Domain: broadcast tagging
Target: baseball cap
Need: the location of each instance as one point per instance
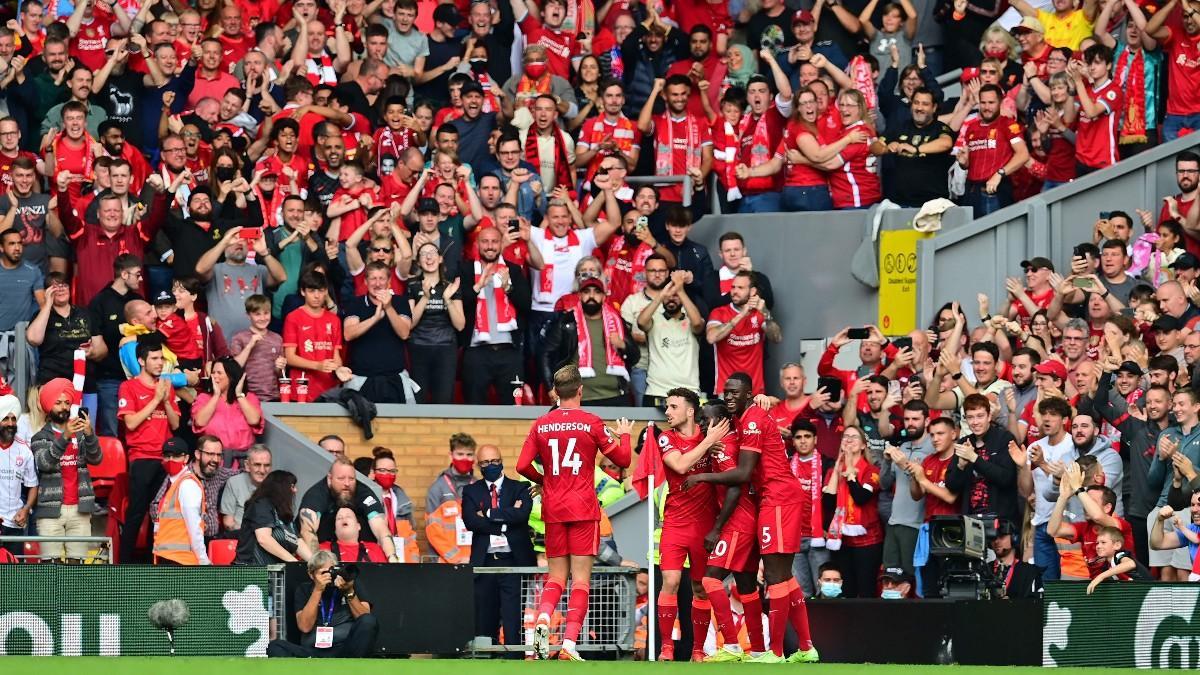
(1185, 261)
(1131, 368)
(592, 282)
(896, 574)
(1037, 263)
(1052, 367)
(1029, 23)
(1166, 323)
(471, 87)
(164, 298)
(803, 16)
(175, 446)
(428, 205)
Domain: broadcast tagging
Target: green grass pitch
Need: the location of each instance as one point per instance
(228, 666)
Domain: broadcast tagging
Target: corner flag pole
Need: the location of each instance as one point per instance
(650, 595)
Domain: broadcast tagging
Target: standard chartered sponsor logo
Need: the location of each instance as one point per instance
(247, 611)
(1054, 633)
(1166, 634)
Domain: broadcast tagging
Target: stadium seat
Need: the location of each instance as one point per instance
(32, 552)
(222, 551)
(6, 557)
(104, 475)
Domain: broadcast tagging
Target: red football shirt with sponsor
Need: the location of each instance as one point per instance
(561, 46)
(87, 47)
(1096, 137)
(742, 349)
(774, 123)
(856, 183)
(1085, 534)
(1183, 73)
(565, 442)
(725, 458)
(315, 338)
(234, 48)
(990, 145)
(935, 471)
(146, 441)
(801, 175)
(773, 478)
(694, 506)
(687, 134)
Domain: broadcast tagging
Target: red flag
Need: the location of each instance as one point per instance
(649, 464)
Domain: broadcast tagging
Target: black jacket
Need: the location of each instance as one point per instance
(561, 346)
(508, 519)
(705, 289)
(993, 472)
(519, 295)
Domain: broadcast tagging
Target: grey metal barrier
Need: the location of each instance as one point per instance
(277, 601)
(611, 618)
(103, 554)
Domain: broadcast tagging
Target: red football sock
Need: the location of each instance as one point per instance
(799, 616)
(551, 593)
(721, 608)
(777, 618)
(701, 617)
(577, 607)
(752, 614)
(668, 609)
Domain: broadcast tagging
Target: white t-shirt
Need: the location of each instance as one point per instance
(559, 271)
(674, 355)
(1044, 490)
(16, 471)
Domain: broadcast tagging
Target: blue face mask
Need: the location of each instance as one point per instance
(492, 471)
(830, 589)
(891, 594)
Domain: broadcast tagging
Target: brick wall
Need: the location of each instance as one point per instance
(421, 446)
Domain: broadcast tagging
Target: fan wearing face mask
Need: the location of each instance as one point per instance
(397, 507)
(829, 582)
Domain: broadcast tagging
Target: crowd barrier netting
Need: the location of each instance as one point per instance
(102, 610)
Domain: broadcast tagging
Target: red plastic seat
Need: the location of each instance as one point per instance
(104, 475)
(33, 552)
(222, 551)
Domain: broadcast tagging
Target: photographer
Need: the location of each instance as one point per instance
(334, 614)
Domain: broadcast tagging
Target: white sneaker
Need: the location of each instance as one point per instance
(541, 639)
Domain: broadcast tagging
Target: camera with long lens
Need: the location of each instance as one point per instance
(963, 544)
(348, 572)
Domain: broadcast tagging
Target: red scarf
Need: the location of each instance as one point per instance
(547, 284)
(506, 316)
(61, 150)
(849, 513)
(320, 72)
(815, 484)
(864, 81)
(726, 158)
(390, 143)
(490, 102)
(562, 164)
(529, 86)
(664, 146)
(1131, 75)
(612, 324)
(270, 207)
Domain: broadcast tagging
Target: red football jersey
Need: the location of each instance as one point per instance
(565, 442)
(935, 471)
(315, 338)
(1096, 137)
(773, 478)
(742, 349)
(856, 183)
(990, 145)
(144, 442)
(725, 458)
(695, 505)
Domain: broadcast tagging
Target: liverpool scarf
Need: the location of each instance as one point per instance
(612, 325)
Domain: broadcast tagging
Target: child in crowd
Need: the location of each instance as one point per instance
(1121, 563)
(259, 350)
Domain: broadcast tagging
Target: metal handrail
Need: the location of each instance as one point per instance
(106, 541)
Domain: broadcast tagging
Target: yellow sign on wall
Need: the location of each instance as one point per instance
(898, 280)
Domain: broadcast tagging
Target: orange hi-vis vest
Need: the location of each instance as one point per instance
(171, 539)
(408, 552)
(447, 535)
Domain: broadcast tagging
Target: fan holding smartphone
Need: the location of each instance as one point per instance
(871, 343)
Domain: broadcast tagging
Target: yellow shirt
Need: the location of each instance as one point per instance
(1065, 32)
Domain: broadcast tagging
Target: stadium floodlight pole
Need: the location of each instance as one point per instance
(650, 655)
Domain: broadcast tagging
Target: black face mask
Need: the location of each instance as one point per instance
(478, 66)
(590, 307)
(226, 173)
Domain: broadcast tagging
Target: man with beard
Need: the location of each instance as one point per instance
(682, 140)
(150, 415)
(17, 473)
(63, 449)
(113, 142)
(625, 254)
(79, 86)
(324, 180)
(193, 231)
(579, 337)
(33, 214)
(1187, 177)
(704, 66)
(39, 85)
(672, 324)
(475, 126)
(319, 507)
(230, 282)
(21, 284)
(206, 466)
(992, 151)
(1085, 433)
(739, 331)
(495, 299)
(1024, 388)
(917, 154)
(907, 511)
(608, 133)
(657, 275)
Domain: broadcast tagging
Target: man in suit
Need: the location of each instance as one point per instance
(496, 510)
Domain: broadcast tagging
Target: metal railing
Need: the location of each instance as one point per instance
(611, 618)
(104, 553)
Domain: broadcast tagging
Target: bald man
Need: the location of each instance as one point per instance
(1174, 301)
(496, 510)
